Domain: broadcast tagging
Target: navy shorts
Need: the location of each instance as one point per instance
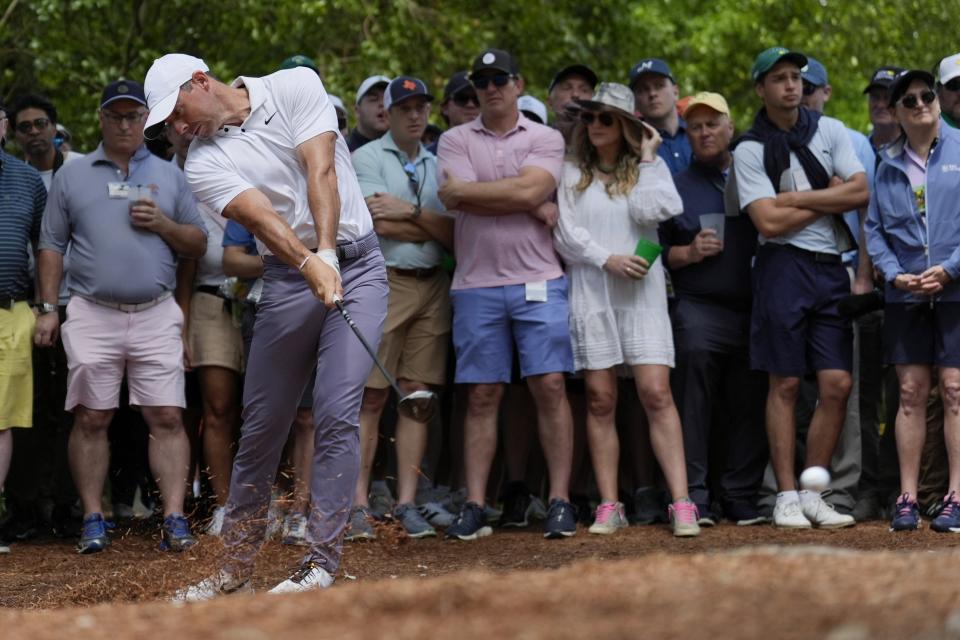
(795, 327)
(487, 321)
(921, 334)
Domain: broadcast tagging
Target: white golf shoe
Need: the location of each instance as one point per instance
(219, 584)
(821, 514)
(309, 576)
(789, 515)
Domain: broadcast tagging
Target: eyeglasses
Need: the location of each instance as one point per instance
(133, 117)
(498, 80)
(604, 118)
(809, 88)
(413, 180)
(953, 85)
(911, 100)
(465, 99)
(24, 126)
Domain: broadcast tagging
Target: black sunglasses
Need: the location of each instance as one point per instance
(809, 88)
(604, 118)
(464, 99)
(953, 85)
(498, 80)
(24, 126)
(911, 100)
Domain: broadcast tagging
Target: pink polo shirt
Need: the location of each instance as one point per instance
(515, 248)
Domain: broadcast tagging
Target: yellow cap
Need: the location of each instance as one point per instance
(713, 100)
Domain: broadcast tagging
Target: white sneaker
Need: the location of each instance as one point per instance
(216, 522)
(219, 584)
(309, 576)
(295, 529)
(789, 515)
(821, 514)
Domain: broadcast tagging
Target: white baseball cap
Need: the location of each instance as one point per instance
(534, 106)
(163, 81)
(370, 83)
(949, 68)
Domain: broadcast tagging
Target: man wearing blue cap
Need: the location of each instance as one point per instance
(656, 94)
(795, 172)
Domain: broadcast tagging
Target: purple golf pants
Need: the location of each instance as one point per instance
(293, 333)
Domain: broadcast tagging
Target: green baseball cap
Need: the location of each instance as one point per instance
(299, 60)
(767, 59)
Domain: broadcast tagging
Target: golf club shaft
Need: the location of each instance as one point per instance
(366, 345)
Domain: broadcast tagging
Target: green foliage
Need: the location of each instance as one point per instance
(69, 49)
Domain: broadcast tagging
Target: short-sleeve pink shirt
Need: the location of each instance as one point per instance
(494, 251)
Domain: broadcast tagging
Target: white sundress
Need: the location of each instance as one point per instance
(615, 320)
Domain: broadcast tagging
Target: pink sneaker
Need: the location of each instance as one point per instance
(610, 518)
(683, 518)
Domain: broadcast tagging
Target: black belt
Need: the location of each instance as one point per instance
(7, 302)
(212, 290)
(816, 256)
(420, 273)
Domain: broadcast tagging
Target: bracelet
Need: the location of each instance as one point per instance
(304, 263)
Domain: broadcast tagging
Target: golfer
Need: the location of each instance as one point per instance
(266, 152)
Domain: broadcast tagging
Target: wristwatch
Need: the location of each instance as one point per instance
(45, 307)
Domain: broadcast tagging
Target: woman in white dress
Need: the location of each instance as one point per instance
(613, 192)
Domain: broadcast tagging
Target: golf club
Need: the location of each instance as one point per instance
(419, 405)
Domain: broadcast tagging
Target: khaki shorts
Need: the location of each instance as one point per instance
(214, 341)
(16, 366)
(416, 333)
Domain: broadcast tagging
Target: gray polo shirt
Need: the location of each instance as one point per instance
(831, 145)
(88, 208)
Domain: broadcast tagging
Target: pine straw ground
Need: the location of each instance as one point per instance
(729, 583)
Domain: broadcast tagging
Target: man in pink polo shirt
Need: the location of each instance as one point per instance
(499, 173)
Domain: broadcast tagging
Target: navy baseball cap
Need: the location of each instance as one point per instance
(123, 90)
(403, 87)
(581, 70)
(650, 65)
(495, 60)
(882, 78)
(814, 73)
(902, 82)
(457, 83)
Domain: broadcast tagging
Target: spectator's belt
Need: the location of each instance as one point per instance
(212, 290)
(7, 302)
(129, 307)
(816, 256)
(419, 274)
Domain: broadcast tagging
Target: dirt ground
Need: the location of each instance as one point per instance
(731, 582)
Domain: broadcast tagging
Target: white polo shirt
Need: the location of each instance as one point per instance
(287, 108)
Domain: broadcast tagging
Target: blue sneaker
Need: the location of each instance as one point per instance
(906, 514)
(470, 524)
(561, 520)
(93, 535)
(175, 533)
(948, 521)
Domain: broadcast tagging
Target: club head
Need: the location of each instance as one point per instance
(419, 405)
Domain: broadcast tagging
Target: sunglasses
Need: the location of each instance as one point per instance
(498, 80)
(809, 88)
(911, 100)
(604, 118)
(953, 85)
(132, 117)
(24, 126)
(465, 99)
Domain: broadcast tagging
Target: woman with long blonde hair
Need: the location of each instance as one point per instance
(613, 192)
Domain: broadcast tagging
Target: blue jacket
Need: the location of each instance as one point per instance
(896, 237)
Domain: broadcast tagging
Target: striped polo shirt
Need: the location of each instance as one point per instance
(22, 198)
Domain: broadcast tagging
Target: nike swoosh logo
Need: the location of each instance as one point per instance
(267, 121)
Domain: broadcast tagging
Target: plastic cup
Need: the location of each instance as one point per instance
(647, 250)
(134, 194)
(713, 221)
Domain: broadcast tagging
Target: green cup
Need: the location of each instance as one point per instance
(647, 250)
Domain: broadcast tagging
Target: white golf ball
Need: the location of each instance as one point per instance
(815, 479)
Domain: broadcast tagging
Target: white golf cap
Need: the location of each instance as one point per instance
(534, 106)
(337, 102)
(949, 68)
(163, 81)
(370, 83)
